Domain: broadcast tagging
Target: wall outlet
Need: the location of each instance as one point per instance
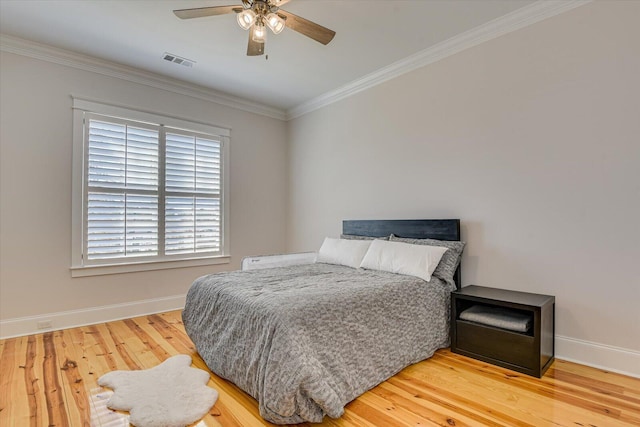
(45, 324)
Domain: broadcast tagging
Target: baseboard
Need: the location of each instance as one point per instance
(90, 316)
(607, 357)
(601, 356)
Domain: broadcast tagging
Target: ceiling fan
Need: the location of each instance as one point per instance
(256, 15)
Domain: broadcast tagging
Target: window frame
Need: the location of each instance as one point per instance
(83, 107)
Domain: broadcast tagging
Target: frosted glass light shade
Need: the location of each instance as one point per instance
(275, 22)
(259, 33)
(246, 18)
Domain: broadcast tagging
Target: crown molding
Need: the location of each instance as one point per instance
(513, 21)
(523, 17)
(79, 61)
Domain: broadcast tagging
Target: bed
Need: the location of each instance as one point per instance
(304, 340)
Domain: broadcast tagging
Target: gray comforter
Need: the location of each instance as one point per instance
(306, 340)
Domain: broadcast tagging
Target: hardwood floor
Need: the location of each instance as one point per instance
(51, 380)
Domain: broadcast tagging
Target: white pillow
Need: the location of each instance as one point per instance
(343, 251)
(403, 258)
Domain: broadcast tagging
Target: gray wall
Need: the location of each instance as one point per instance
(35, 188)
(532, 139)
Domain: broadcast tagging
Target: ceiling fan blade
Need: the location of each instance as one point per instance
(308, 28)
(254, 48)
(279, 2)
(201, 12)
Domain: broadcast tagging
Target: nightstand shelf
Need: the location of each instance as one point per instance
(530, 351)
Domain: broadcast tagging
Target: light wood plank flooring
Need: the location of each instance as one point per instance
(51, 380)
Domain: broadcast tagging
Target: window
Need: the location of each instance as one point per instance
(148, 191)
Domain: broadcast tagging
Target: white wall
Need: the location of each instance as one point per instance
(532, 140)
(35, 194)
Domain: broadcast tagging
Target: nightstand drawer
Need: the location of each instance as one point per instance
(511, 347)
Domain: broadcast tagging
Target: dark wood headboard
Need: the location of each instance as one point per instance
(440, 229)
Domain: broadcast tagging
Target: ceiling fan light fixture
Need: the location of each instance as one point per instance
(256, 16)
(275, 22)
(259, 33)
(246, 18)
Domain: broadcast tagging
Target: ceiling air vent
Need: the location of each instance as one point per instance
(178, 59)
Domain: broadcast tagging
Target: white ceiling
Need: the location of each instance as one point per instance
(371, 34)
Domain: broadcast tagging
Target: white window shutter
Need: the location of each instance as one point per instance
(106, 225)
(122, 196)
(107, 154)
(192, 205)
(142, 225)
(127, 203)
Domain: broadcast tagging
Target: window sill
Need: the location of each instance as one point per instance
(100, 270)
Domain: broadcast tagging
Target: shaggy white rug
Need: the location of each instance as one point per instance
(171, 394)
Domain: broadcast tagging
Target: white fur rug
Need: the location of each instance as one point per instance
(171, 394)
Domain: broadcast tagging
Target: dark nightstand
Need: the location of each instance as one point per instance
(529, 352)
